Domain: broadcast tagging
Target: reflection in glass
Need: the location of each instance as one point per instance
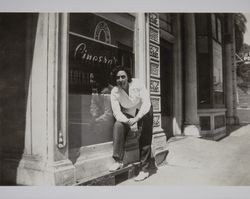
(90, 115)
(102, 119)
(217, 74)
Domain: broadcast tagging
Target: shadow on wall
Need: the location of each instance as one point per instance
(17, 38)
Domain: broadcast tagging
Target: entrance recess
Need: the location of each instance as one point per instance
(166, 61)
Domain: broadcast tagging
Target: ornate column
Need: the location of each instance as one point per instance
(45, 159)
(153, 72)
(191, 121)
(153, 77)
(230, 72)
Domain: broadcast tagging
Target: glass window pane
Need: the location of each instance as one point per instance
(96, 45)
(204, 88)
(217, 73)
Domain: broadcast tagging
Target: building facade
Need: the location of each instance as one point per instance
(56, 122)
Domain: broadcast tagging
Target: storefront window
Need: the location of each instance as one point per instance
(218, 97)
(209, 61)
(96, 44)
(203, 64)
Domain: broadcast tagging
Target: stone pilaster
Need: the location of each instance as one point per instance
(191, 121)
(230, 72)
(140, 47)
(45, 159)
(177, 78)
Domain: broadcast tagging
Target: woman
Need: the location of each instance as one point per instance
(130, 102)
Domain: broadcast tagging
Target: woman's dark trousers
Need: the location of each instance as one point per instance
(120, 132)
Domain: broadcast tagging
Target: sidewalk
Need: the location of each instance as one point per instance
(196, 161)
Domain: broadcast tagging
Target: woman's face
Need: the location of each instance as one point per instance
(122, 79)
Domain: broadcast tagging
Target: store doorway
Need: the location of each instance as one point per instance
(166, 61)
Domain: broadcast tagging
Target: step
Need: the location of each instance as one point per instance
(112, 178)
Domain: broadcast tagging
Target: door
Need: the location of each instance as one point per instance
(166, 61)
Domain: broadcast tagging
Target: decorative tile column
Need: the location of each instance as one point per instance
(45, 159)
(153, 75)
(154, 68)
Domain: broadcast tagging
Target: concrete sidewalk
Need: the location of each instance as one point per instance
(196, 161)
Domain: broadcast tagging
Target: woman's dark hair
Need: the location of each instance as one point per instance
(121, 68)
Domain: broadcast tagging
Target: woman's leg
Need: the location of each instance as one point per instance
(145, 140)
(119, 136)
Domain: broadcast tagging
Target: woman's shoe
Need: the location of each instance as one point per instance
(116, 166)
(142, 176)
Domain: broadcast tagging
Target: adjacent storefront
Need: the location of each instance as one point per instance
(211, 72)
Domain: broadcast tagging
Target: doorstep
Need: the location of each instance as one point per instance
(112, 178)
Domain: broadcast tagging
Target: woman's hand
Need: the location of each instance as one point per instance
(131, 121)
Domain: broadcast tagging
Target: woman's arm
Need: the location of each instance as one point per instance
(119, 116)
(146, 104)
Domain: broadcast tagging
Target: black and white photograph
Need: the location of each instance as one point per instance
(125, 99)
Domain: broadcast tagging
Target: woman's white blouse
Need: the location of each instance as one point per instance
(138, 98)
